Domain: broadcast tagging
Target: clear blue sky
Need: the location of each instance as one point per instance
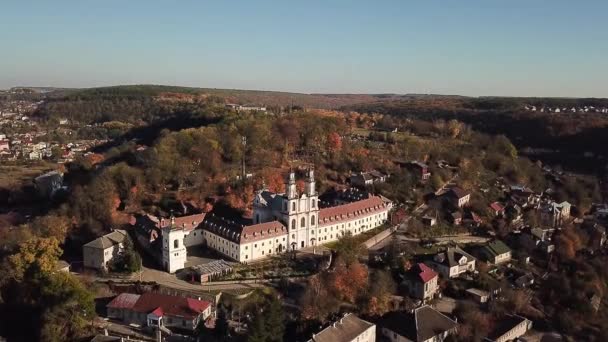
(469, 47)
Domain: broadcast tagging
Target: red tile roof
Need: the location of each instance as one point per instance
(241, 233)
(425, 273)
(458, 192)
(124, 301)
(158, 312)
(496, 206)
(170, 305)
(187, 222)
(262, 231)
(349, 211)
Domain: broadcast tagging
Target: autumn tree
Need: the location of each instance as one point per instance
(348, 281)
(55, 305)
(376, 300)
(334, 142)
(39, 253)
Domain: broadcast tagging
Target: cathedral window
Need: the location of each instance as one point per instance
(302, 222)
(176, 243)
(293, 224)
(312, 220)
(293, 206)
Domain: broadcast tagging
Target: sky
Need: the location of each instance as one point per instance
(466, 47)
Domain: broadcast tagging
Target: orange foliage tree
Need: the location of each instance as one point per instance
(334, 142)
(348, 281)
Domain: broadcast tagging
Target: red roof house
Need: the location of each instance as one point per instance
(153, 309)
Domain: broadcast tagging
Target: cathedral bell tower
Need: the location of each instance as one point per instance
(291, 190)
(310, 183)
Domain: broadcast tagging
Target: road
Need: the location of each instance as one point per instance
(171, 281)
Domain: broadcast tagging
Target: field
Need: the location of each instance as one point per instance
(17, 175)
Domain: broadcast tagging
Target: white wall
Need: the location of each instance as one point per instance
(194, 237)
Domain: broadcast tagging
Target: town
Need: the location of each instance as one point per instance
(430, 243)
(303, 171)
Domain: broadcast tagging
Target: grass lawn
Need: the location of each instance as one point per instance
(12, 176)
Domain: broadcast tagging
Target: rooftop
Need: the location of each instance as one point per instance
(452, 256)
(345, 329)
(108, 240)
(505, 325)
(160, 303)
(497, 247)
(458, 192)
(422, 272)
(421, 325)
(348, 211)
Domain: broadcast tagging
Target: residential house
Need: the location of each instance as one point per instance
(514, 213)
(455, 218)
(509, 328)
(421, 282)
(5, 145)
(597, 234)
(523, 195)
(497, 209)
(159, 310)
(537, 239)
(424, 324)
(420, 169)
(478, 295)
(101, 251)
(554, 214)
(495, 252)
(363, 179)
(524, 280)
(49, 183)
(349, 328)
(452, 262)
(458, 197)
(429, 220)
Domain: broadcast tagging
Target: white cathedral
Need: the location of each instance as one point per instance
(280, 222)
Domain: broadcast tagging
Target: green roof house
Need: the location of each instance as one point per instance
(495, 252)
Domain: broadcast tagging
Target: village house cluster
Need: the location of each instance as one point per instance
(583, 109)
(298, 220)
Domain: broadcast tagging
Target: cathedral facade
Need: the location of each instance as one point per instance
(291, 221)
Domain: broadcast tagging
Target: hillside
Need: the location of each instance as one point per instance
(572, 133)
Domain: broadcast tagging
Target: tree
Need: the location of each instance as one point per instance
(258, 330)
(317, 302)
(347, 282)
(54, 304)
(348, 248)
(222, 329)
(275, 320)
(71, 310)
(380, 288)
(41, 253)
(334, 142)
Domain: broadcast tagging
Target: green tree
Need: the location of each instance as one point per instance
(275, 320)
(348, 248)
(258, 330)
